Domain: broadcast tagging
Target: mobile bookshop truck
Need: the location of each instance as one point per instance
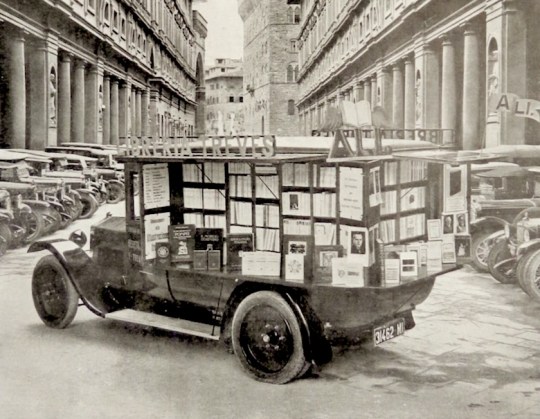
(276, 246)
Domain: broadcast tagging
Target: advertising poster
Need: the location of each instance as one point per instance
(156, 186)
(156, 229)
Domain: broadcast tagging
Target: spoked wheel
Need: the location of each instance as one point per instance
(115, 193)
(529, 277)
(34, 225)
(55, 298)
(89, 206)
(267, 338)
(501, 264)
(480, 248)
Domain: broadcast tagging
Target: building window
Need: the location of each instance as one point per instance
(292, 72)
(293, 46)
(115, 21)
(106, 12)
(297, 15)
(241, 99)
(223, 70)
(231, 99)
(290, 107)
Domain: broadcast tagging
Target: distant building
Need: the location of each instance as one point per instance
(99, 71)
(428, 63)
(270, 65)
(224, 97)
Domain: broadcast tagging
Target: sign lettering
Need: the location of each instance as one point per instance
(523, 108)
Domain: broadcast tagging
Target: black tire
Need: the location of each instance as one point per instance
(505, 272)
(3, 245)
(89, 206)
(56, 224)
(531, 275)
(55, 297)
(267, 339)
(520, 270)
(115, 193)
(5, 232)
(480, 248)
(34, 225)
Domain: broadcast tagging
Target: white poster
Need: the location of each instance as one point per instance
(351, 197)
(156, 229)
(455, 189)
(156, 186)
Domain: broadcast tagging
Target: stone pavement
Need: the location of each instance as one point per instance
(476, 343)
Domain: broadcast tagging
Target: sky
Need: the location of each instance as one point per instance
(225, 28)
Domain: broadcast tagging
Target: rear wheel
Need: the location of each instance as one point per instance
(480, 248)
(530, 275)
(501, 264)
(520, 270)
(267, 338)
(55, 297)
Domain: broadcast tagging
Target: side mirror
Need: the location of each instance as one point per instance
(78, 237)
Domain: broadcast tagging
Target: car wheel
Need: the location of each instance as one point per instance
(520, 270)
(5, 233)
(33, 224)
(55, 297)
(115, 193)
(501, 264)
(480, 248)
(89, 206)
(531, 275)
(3, 245)
(267, 338)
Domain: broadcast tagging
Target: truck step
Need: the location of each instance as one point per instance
(163, 322)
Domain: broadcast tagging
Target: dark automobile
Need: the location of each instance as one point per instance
(500, 193)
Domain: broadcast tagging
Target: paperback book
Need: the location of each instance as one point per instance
(182, 242)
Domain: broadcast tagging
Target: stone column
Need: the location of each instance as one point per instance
(448, 89)
(64, 99)
(358, 91)
(145, 102)
(77, 122)
(91, 105)
(132, 129)
(106, 109)
(38, 91)
(17, 91)
(123, 112)
(115, 117)
(367, 90)
(397, 96)
(409, 101)
(153, 114)
(384, 86)
(373, 100)
(138, 112)
(471, 89)
(432, 89)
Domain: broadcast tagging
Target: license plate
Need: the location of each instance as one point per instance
(388, 331)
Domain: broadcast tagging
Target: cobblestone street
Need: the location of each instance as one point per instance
(473, 353)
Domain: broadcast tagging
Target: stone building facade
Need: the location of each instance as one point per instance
(428, 63)
(270, 65)
(224, 97)
(99, 71)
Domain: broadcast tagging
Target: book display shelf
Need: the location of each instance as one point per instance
(306, 217)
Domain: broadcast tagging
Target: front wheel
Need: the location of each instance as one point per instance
(34, 225)
(267, 338)
(55, 297)
(529, 275)
(115, 193)
(480, 247)
(501, 264)
(89, 206)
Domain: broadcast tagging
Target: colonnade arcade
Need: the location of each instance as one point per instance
(59, 95)
(433, 85)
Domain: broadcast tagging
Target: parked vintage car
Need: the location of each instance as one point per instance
(499, 195)
(106, 167)
(502, 259)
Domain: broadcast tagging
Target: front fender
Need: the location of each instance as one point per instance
(36, 204)
(116, 182)
(82, 270)
(527, 247)
(488, 223)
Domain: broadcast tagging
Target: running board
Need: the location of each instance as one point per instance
(163, 322)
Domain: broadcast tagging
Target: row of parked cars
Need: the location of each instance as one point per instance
(43, 191)
(506, 212)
